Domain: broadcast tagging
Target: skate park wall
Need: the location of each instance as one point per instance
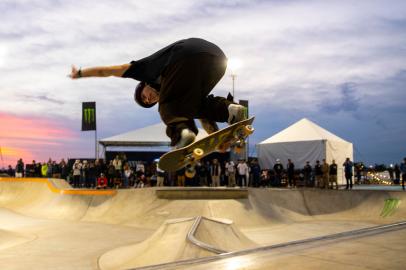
(142, 208)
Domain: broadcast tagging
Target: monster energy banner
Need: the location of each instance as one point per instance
(88, 116)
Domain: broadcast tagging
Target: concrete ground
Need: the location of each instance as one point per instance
(44, 224)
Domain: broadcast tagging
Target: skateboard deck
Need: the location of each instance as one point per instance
(218, 141)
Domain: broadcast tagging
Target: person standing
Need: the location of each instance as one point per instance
(19, 171)
(255, 172)
(318, 173)
(290, 169)
(215, 173)
(348, 165)
(278, 170)
(242, 170)
(160, 176)
(325, 168)
(333, 175)
(403, 171)
(307, 173)
(201, 173)
(230, 172)
(77, 167)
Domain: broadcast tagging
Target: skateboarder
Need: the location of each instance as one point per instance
(179, 78)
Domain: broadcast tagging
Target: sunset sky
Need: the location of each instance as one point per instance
(339, 63)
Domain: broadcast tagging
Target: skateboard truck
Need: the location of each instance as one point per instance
(197, 154)
(241, 134)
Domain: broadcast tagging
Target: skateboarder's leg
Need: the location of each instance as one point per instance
(183, 87)
(220, 109)
(209, 125)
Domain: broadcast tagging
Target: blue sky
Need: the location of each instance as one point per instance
(342, 64)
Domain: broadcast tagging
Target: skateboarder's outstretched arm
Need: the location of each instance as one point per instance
(103, 71)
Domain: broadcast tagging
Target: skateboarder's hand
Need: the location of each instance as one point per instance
(74, 73)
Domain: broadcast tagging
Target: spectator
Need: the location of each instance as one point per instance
(278, 170)
(91, 179)
(98, 167)
(64, 169)
(359, 167)
(307, 174)
(118, 166)
(180, 175)
(318, 173)
(38, 169)
(102, 182)
(49, 168)
(325, 169)
(264, 178)
(202, 172)
(85, 174)
(77, 168)
(160, 176)
(19, 172)
(10, 171)
(255, 172)
(56, 171)
(403, 171)
(290, 169)
(215, 172)
(333, 175)
(242, 170)
(141, 180)
(111, 174)
(30, 171)
(230, 173)
(44, 169)
(348, 165)
(127, 174)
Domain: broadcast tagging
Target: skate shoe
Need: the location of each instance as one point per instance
(186, 137)
(236, 113)
(209, 126)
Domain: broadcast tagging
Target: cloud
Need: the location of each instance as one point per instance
(336, 59)
(43, 98)
(347, 101)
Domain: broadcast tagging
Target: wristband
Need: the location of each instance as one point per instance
(80, 72)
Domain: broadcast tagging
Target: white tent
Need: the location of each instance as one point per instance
(151, 136)
(301, 142)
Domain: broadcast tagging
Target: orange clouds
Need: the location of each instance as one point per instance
(31, 138)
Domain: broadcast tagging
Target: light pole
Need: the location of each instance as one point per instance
(233, 76)
(233, 65)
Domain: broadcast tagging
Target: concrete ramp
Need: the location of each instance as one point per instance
(130, 228)
(9, 239)
(176, 240)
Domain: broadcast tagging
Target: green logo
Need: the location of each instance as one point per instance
(390, 207)
(89, 115)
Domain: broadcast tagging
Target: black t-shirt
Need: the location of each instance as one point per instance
(333, 169)
(149, 69)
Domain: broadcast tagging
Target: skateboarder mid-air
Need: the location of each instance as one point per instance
(179, 78)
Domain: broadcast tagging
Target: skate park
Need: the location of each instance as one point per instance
(46, 224)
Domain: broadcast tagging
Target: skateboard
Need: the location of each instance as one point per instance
(219, 141)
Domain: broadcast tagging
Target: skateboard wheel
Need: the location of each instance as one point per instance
(198, 153)
(249, 129)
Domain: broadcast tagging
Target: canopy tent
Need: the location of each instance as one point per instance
(151, 136)
(301, 142)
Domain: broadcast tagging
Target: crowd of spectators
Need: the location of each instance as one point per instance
(120, 173)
